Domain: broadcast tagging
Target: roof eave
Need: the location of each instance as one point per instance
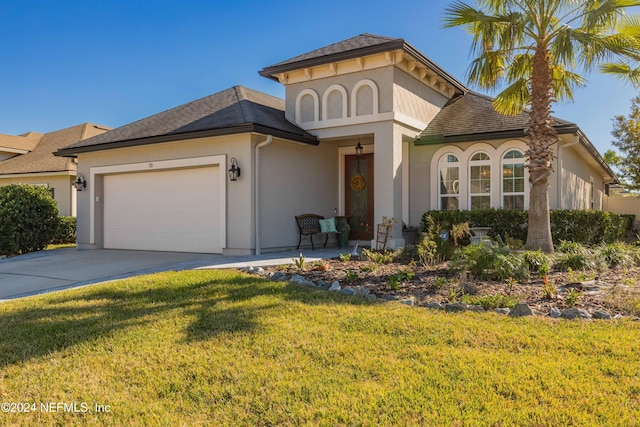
(244, 128)
(503, 134)
(272, 72)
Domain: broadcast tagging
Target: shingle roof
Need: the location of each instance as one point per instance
(234, 110)
(353, 44)
(355, 47)
(23, 142)
(467, 117)
(41, 158)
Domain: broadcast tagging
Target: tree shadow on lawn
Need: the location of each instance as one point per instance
(63, 320)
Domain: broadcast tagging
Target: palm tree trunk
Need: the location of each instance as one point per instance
(542, 136)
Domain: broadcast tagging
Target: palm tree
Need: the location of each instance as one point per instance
(533, 47)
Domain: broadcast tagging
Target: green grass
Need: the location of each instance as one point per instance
(222, 348)
(60, 246)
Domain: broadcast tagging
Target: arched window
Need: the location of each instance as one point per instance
(513, 180)
(449, 187)
(480, 181)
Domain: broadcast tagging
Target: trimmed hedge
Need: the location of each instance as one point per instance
(66, 231)
(28, 218)
(583, 226)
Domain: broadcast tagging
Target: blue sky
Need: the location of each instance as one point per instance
(112, 62)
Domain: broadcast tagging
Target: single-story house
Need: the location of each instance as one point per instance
(369, 128)
(29, 159)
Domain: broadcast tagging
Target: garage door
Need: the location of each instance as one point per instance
(173, 210)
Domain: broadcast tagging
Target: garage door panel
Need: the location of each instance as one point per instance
(173, 210)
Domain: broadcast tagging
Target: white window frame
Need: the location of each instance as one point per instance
(487, 162)
(520, 160)
(442, 163)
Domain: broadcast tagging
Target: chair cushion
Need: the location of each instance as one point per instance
(328, 225)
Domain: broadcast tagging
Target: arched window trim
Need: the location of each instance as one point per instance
(354, 98)
(316, 105)
(325, 101)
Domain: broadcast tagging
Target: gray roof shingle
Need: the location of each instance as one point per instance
(355, 47)
(466, 117)
(234, 110)
(41, 158)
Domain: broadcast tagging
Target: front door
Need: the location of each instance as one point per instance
(359, 195)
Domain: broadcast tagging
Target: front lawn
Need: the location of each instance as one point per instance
(223, 348)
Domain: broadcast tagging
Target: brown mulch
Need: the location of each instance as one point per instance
(616, 291)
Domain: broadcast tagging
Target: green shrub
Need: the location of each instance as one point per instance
(575, 256)
(427, 251)
(490, 263)
(616, 255)
(584, 226)
(28, 218)
(66, 231)
(537, 261)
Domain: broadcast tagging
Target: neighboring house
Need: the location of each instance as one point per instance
(29, 159)
(427, 142)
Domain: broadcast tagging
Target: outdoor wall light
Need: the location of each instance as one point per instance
(80, 183)
(234, 172)
(358, 149)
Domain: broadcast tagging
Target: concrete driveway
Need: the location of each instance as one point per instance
(48, 271)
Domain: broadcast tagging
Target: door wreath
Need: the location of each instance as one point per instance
(357, 183)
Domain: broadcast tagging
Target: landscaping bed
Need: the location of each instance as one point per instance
(615, 291)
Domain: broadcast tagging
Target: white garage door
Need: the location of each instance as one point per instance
(174, 210)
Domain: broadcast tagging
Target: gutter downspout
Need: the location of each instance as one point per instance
(560, 167)
(256, 193)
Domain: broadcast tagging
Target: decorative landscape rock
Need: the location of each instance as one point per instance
(348, 291)
(408, 301)
(601, 314)
(296, 278)
(575, 313)
(456, 306)
(502, 310)
(361, 291)
(476, 308)
(521, 310)
(555, 313)
(277, 276)
(335, 286)
(435, 306)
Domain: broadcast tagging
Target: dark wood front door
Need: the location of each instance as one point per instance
(359, 195)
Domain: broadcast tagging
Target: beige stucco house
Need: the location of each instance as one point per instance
(428, 142)
(29, 159)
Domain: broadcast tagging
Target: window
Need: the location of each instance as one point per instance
(449, 171)
(513, 180)
(480, 181)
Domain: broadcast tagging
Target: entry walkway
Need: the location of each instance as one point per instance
(48, 271)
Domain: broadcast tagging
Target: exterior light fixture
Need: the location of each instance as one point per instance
(234, 172)
(358, 149)
(80, 183)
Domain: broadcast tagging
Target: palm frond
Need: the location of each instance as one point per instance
(623, 71)
(513, 99)
(487, 69)
(564, 81)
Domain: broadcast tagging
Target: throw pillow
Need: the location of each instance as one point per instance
(328, 225)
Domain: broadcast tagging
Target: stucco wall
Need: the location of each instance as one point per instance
(415, 99)
(296, 179)
(61, 185)
(383, 78)
(576, 180)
